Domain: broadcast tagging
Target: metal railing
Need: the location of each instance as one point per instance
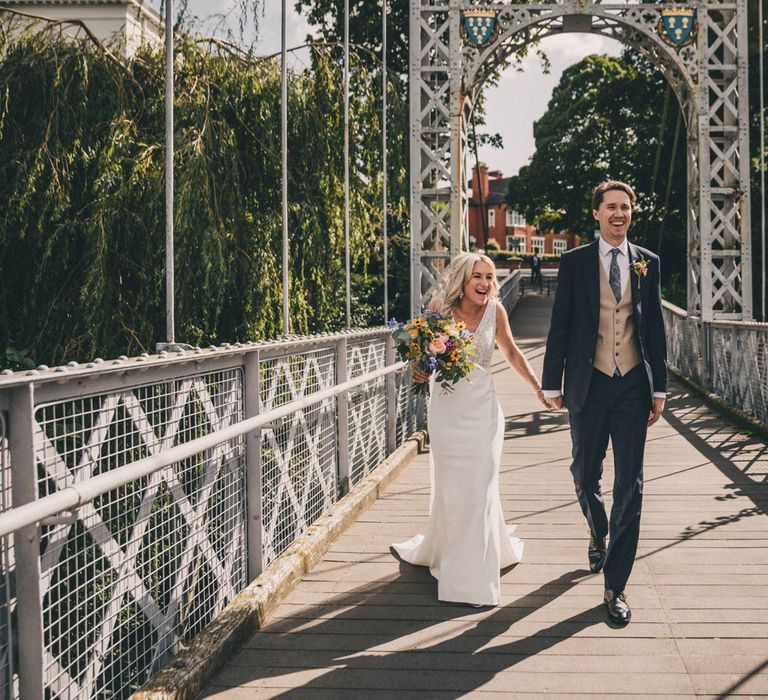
(510, 290)
(729, 358)
(147, 492)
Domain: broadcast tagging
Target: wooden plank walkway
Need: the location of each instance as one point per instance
(362, 625)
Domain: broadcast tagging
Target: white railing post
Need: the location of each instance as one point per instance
(342, 413)
(391, 389)
(253, 477)
(21, 442)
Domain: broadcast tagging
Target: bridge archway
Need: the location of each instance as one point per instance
(706, 67)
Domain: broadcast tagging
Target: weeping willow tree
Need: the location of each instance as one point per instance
(82, 201)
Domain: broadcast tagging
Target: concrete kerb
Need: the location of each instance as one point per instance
(189, 671)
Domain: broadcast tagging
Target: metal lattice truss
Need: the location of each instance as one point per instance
(709, 78)
(367, 410)
(739, 366)
(299, 454)
(109, 590)
(119, 587)
(728, 358)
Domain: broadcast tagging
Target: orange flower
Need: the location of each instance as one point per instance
(640, 268)
(437, 346)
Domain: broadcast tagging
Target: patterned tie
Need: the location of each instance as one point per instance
(614, 279)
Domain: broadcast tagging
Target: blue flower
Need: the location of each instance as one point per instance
(438, 315)
(464, 334)
(431, 363)
(393, 324)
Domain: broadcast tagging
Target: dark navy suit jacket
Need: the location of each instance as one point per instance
(575, 318)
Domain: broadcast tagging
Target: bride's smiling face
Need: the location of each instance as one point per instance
(480, 285)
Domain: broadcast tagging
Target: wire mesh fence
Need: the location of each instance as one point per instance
(299, 456)
(728, 358)
(367, 412)
(509, 291)
(686, 352)
(143, 568)
(138, 571)
(739, 366)
(7, 602)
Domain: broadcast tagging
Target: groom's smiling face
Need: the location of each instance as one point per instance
(614, 216)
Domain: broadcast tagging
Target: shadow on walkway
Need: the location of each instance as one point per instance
(466, 653)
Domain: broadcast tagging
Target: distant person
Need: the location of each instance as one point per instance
(536, 271)
(607, 335)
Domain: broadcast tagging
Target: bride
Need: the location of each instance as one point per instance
(467, 541)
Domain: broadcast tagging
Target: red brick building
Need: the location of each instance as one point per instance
(504, 225)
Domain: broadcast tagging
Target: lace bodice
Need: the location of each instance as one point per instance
(485, 336)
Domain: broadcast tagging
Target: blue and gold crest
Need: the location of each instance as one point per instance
(677, 26)
(479, 26)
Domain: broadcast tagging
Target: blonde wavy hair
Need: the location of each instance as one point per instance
(459, 272)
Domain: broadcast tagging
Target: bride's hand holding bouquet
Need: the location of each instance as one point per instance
(434, 343)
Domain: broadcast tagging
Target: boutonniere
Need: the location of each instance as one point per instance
(640, 268)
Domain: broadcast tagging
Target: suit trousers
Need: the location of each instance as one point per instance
(616, 408)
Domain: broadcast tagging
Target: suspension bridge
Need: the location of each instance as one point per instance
(178, 503)
(215, 521)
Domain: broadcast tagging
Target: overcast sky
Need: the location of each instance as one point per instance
(512, 106)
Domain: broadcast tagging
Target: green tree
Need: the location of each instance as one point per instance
(605, 120)
(82, 208)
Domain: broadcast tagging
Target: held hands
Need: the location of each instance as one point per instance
(554, 402)
(655, 413)
(541, 398)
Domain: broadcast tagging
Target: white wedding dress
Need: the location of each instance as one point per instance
(467, 541)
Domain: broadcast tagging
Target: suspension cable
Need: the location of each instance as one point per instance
(346, 166)
(284, 162)
(761, 57)
(384, 153)
(672, 159)
(483, 219)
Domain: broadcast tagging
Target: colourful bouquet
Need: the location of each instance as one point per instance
(435, 343)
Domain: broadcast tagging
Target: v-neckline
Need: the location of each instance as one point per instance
(480, 322)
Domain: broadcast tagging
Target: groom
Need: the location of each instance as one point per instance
(607, 336)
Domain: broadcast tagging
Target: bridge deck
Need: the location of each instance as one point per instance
(363, 625)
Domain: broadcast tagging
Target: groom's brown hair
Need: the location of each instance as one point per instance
(599, 192)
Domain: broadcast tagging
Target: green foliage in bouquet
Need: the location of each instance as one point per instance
(435, 343)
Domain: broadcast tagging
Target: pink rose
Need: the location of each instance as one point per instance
(437, 346)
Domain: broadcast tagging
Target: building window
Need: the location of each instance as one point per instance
(516, 244)
(537, 243)
(514, 218)
(559, 246)
(491, 218)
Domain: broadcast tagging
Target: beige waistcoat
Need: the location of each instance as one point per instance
(616, 340)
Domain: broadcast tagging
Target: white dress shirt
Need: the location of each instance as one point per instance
(605, 260)
(622, 259)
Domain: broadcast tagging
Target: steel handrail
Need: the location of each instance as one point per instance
(84, 491)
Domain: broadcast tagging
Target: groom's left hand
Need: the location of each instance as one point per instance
(656, 411)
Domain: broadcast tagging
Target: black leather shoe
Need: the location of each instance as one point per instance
(617, 607)
(596, 553)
